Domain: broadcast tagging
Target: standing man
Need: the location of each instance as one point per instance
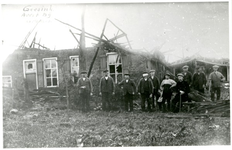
(145, 89)
(129, 89)
(187, 75)
(215, 79)
(85, 89)
(106, 89)
(156, 85)
(182, 89)
(199, 80)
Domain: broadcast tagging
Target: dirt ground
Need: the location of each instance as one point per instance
(51, 125)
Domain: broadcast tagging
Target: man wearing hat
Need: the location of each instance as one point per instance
(199, 80)
(106, 90)
(129, 88)
(166, 87)
(215, 79)
(182, 89)
(187, 74)
(84, 86)
(156, 85)
(145, 89)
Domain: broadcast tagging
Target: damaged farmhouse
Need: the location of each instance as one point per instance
(116, 75)
(45, 68)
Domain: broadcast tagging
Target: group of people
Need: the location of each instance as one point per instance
(165, 96)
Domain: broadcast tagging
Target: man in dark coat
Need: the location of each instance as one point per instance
(199, 80)
(129, 88)
(145, 89)
(106, 89)
(156, 85)
(187, 75)
(182, 90)
(85, 89)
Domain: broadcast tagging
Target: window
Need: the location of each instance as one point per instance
(50, 72)
(114, 65)
(6, 81)
(74, 60)
(30, 66)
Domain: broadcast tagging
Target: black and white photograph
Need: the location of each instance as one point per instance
(115, 74)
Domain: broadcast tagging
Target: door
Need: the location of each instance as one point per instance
(30, 73)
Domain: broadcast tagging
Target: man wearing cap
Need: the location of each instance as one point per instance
(84, 86)
(182, 89)
(187, 74)
(145, 89)
(199, 80)
(166, 87)
(129, 88)
(215, 79)
(106, 90)
(156, 85)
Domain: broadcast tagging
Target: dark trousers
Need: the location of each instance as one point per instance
(106, 101)
(85, 101)
(155, 97)
(216, 90)
(160, 105)
(128, 99)
(166, 97)
(200, 90)
(145, 97)
(176, 103)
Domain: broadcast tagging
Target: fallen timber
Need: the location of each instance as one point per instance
(201, 104)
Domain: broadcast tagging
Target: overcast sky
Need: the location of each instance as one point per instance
(183, 29)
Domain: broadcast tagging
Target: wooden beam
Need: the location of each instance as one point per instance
(82, 57)
(22, 45)
(78, 29)
(100, 39)
(93, 38)
(74, 37)
(117, 37)
(99, 43)
(41, 45)
(115, 25)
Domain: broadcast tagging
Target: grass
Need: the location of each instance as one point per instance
(62, 128)
(54, 127)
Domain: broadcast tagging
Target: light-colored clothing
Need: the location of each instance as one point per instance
(168, 81)
(216, 78)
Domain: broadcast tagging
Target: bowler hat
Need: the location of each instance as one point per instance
(106, 71)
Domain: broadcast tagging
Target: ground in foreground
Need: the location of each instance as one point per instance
(71, 128)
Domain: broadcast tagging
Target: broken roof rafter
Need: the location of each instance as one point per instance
(93, 36)
(22, 45)
(74, 36)
(117, 37)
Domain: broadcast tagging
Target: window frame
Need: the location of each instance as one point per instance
(44, 70)
(70, 58)
(30, 72)
(115, 65)
(7, 82)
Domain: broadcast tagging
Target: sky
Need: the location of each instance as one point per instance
(178, 29)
